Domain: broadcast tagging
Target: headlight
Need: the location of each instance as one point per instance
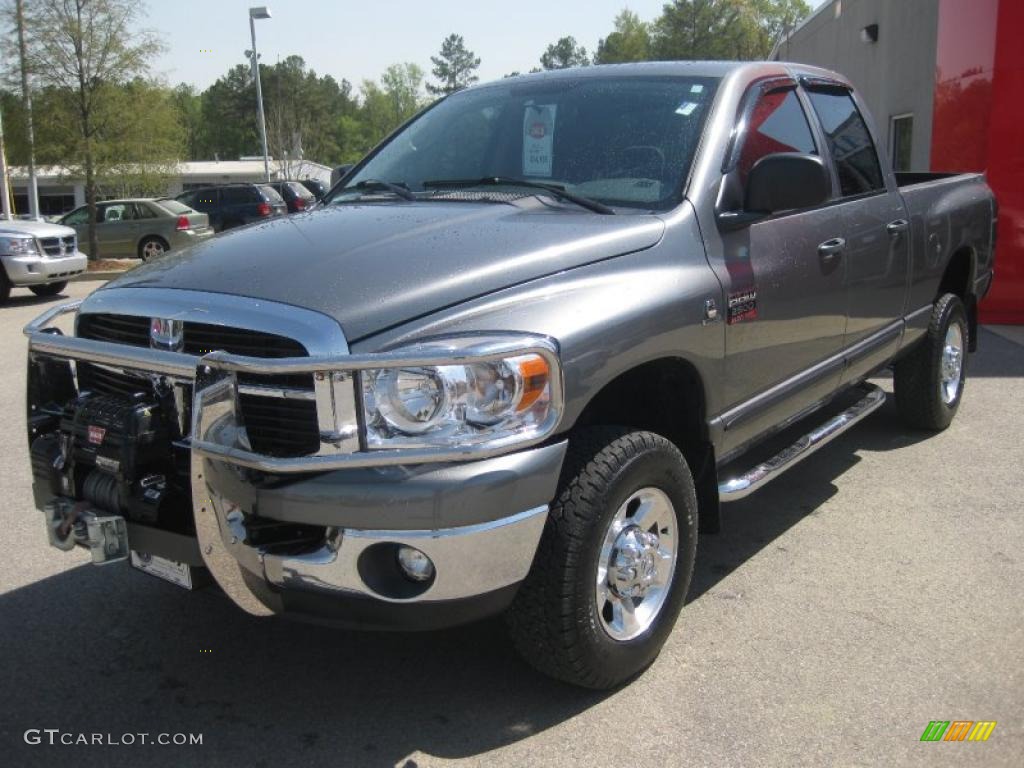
(511, 399)
(19, 246)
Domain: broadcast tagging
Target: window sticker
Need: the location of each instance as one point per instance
(696, 88)
(686, 108)
(538, 139)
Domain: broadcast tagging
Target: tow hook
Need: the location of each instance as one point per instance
(71, 523)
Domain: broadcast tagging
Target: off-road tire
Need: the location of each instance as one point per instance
(553, 620)
(50, 289)
(917, 378)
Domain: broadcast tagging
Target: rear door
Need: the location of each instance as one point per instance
(784, 281)
(876, 225)
(207, 201)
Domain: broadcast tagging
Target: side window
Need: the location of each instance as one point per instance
(142, 211)
(849, 142)
(238, 195)
(113, 213)
(777, 124)
(77, 216)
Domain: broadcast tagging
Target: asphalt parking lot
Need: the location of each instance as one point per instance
(874, 588)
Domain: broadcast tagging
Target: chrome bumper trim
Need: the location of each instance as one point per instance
(469, 561)
(744, 485)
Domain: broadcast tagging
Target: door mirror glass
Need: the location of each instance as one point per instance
(786, 181)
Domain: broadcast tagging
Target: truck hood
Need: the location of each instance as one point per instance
(374, 266)
(34, 228)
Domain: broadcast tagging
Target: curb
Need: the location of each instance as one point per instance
(85, 276)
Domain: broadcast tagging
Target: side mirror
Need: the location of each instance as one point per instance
(785, 182)
(340, 172)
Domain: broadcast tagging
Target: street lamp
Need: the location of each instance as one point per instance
(259, 12)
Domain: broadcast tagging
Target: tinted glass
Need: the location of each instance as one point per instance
(621, 140)
(902, 142)
(849, 142)
(271, 195)
(300, 191)
(237, 195)
(142, 211)
(77, 216)
(777, 124)
(174, 207)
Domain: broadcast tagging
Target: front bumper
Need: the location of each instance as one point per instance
(39, 270)
(478, 521)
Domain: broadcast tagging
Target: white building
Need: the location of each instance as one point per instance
(60, 191)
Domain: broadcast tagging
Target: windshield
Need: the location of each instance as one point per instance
(623, 141)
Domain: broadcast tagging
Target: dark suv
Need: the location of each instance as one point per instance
(232, 205)
(296, 196)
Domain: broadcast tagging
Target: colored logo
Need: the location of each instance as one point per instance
(538, 130)
(96, 434)
(958, 730)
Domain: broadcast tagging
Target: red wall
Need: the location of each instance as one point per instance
(978, 125)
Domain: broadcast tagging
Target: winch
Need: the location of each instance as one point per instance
(111, 452)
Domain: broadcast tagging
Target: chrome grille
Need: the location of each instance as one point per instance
(58, 246)
(275, 426)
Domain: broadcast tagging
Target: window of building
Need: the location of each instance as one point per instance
(901, 137)
(849, 141)
(777, 124)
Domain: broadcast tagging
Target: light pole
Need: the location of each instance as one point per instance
(259, 12)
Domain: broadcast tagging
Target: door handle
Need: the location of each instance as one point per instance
(832, 248)
(898, 226)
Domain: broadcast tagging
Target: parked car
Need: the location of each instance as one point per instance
(39, 256)
(317, 187)
(551, 324)
(296, 196)
(142, 227)
(233, 205)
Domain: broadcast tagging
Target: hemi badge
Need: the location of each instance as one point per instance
(96, 434)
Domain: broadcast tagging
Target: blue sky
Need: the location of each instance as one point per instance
(357, 40)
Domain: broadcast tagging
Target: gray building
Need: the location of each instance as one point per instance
(887, 49)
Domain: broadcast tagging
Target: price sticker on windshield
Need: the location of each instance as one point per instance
(538, 139)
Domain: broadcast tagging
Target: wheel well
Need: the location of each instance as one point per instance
(958, 279)
(665, 396)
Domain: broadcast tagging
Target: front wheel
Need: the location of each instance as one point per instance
(614, 562)
(929, 382)
(50, 289)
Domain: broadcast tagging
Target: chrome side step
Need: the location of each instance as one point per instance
(744, 485)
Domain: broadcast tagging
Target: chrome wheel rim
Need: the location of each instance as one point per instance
(636, 564)
(152, 249)
(952, 364)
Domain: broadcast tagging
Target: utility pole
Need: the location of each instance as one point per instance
(5, 200)
(260, 12)
(26, 97)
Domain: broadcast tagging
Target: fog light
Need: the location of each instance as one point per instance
(416, 565)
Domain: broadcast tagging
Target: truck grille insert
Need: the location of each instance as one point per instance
(58, 246)
(276, 427)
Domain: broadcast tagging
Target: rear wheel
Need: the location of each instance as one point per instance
(50, 289)
(152, 248)
(929, 382)
(614, 562)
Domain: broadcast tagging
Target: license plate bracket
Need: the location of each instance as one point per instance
(179, 574)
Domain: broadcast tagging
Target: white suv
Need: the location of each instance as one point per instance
(38, 256)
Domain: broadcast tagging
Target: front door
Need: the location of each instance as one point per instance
(784, 281)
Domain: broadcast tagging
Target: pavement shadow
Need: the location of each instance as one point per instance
(29, 300)
(108, 650)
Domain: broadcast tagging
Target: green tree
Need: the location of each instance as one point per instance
(564, 54)
(631, 41)
(229, 115)
(455, 67)
(387, 105)
(85, 49)
(188, 104)
(723, 29)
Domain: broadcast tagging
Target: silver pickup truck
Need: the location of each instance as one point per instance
(39, 256)
(516, 360)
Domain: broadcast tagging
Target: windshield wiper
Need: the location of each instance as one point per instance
(499, 181)
(399, 190)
